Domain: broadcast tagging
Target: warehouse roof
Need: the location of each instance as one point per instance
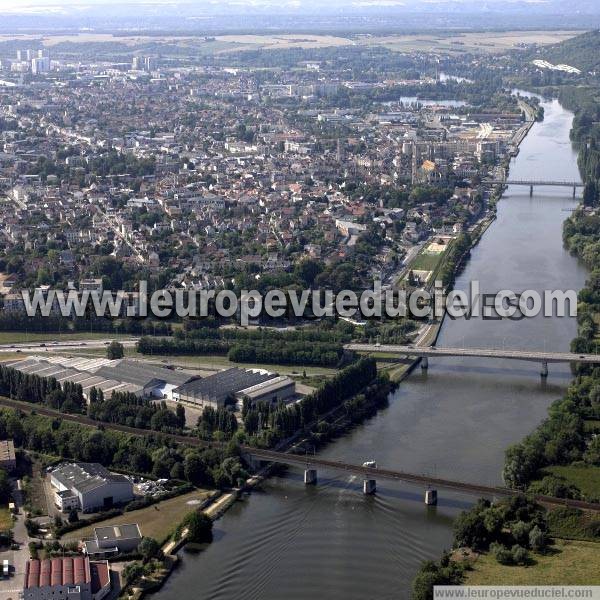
(141, 374)
(266, 387)
(84, 477)
(57, 572)
(223, 383)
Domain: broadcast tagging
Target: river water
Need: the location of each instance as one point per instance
(330, 541)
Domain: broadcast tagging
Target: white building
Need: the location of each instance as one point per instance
(88, 487)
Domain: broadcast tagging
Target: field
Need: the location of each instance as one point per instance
(587, 479)
(453, 42)
(488, 42)
(156, 521)
(571, 563)
(426, 261)
(209, 363)
(6, 521)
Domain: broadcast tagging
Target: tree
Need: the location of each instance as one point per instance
(149, 548)
(180, 413)
(5, 487)
(520, 555)
(73, 516)
(133, 572)
(194, 469)
(199, 528)
(114, 350)
(537, 539)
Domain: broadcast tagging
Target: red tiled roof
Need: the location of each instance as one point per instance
(100, 576)
(57, 572)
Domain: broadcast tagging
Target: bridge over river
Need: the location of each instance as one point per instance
(370, 474)
(424, 352)
(531, 183)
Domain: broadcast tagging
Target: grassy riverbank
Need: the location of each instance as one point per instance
(565, 563)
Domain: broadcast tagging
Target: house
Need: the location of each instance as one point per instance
(88, 487)
(113, 539)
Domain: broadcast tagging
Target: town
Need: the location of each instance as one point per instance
(290, 162)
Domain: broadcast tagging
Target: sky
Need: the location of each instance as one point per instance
(73, 7)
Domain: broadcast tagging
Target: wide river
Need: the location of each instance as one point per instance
(331, 542)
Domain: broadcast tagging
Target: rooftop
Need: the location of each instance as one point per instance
(223, 383)
(7, 450)
(85, 476)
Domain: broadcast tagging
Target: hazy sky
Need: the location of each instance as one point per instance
(70, 6)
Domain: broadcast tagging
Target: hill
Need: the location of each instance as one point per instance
(582, 52)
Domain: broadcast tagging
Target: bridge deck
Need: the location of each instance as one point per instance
(534, 182)
(297, 460)
(423, 480)
(430, 351)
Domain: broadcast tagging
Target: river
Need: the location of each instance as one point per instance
(331, 542)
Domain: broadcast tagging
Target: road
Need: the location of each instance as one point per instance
(434, 351)
(66, 345)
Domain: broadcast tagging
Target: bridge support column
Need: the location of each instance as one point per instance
(369, 486)
(424, 363)
(310, 477)
(574, 191)
(530, 191)
(431, 497)
(544, 372)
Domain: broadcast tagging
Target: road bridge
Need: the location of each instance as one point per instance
(531, 183)
(425, 352)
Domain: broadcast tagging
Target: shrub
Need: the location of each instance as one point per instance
(502, 554)
(520, 555)
(537, 539)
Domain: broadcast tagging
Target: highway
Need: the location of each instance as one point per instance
(50, 346)
(433, 351)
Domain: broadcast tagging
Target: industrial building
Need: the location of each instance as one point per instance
(88, 487)
(278, 389)
(8, 459)
(231, 385)
(112, 539)
(124, 375)
(146, 380)
(74, 578)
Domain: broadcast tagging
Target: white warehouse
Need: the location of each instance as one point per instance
(88, 487)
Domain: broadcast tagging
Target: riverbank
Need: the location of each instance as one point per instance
(454, 420)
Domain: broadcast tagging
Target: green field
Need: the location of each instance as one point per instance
(568, 563)
(587, 479)
(156, 521)
(426, 261)
(6, 521)
(213, 363)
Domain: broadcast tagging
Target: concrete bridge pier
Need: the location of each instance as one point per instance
(310, 477)
(369, 486)
(530, 191)
(574, 191)
(424, 363)
(544, 372)
(431, 497)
